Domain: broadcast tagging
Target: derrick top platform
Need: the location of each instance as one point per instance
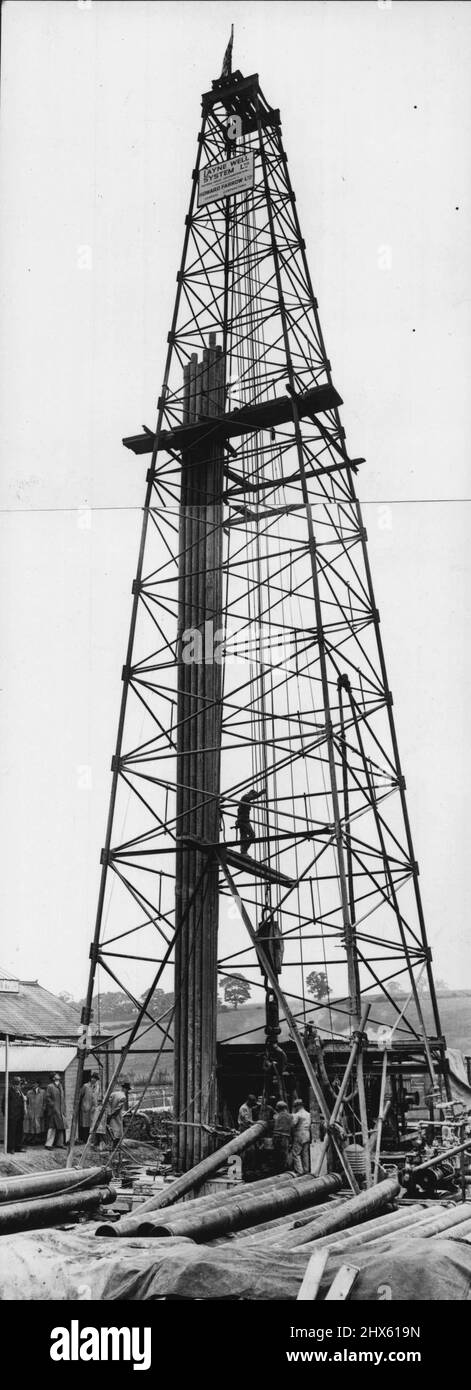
(242, 96)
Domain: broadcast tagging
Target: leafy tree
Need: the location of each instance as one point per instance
(159, 1002)
(113, 1004)
(116, 1005)
(396, 988)
(236, 990)
(317, 985)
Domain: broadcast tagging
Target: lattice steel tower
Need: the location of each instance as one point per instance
(255, 663)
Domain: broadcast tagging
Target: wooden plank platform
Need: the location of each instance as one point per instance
(263, 416)
(256, 868)
(238, 861)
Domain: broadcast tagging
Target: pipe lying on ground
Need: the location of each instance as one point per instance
(267, 1231)
(419, 1226)
(352, 1212)
(195, 1176)
(228, 1194)
(387, 1245)
(209, 1165)
(370, 1233)
(367, 1230)
(128, 1225)
(460, 1232)
(39, 1184)
(51, 1211)
(452, 1216)
(244, 1212)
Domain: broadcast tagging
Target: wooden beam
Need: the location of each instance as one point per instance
(343, 1283)
(264, 416)
(255, 867)
(313, 1275)
(381, 1115)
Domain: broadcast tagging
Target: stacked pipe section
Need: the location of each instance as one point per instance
(34, 1200)
(198, 739)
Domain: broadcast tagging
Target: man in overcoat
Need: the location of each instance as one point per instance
(89, 1101)
(16, 1116)
(36, 1114)
(55, 1113)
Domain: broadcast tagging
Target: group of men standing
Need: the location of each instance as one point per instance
(36, 1114)
(291, 1132)
(108, 1125)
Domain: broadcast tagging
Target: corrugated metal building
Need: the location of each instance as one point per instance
(43, 1033)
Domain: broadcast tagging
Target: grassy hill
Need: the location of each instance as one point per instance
(454, 1008)
(246, 1024)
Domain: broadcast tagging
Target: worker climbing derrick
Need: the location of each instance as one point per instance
(244, 823)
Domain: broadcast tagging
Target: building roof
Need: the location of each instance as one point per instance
(36, 1013)
(23, 1059)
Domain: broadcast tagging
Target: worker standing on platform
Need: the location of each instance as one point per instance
(243, 822)
(301, 1139)
(245, 1116)
(275, 1068)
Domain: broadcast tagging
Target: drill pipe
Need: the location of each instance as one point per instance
(354, 1210)
(51, 1211)
(267, 1231)
(384, 1243)
(460, 1232)
(451, 1216)
(234, 1216)
(41, 1184)
(195, 1176)
(381, 1228)
(292, 1226)
(130, 1224)
(271, 1233)
(214, 1199)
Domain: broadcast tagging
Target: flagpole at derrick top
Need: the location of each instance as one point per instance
(227, 59)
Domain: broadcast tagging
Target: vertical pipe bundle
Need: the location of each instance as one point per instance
(198, 743)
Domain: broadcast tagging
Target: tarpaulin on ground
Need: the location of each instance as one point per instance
(76, 1265)
(60, 1264)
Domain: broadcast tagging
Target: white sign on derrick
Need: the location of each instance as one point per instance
(223, 180)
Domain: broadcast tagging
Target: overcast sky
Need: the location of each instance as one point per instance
(100, 112)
